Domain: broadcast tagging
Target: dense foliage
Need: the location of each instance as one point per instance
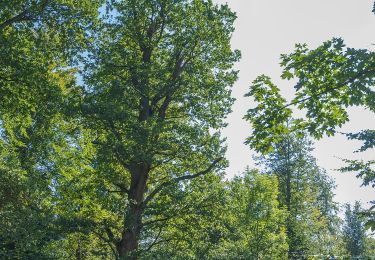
(306, 192)
(111, 114)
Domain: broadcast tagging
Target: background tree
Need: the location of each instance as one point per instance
(354, 233)
(307, 194)
(256, 220)
(369, 246)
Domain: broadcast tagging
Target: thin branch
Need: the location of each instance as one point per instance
(161, 162)
(122, 187)
(170, 90)
(163, 20)
(134, 85)
(181, 178)
(110, 235)
(175, 117)
(177, 70)
(15, 19)
(23, 16)
(115, 191)
(119, 139)
(109, 243)
(156, 221)
(155, 240)
(161, 241)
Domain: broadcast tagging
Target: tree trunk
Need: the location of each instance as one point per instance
(290, 230)
(128, 245)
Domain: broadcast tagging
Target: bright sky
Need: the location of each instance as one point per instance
(267, 28)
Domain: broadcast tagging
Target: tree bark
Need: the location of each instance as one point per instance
(128, 245)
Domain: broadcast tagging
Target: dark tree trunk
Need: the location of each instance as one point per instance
(128, 245)
(289, 228)
(289, 202)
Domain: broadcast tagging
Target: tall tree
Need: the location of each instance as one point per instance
(157, 88)
(354, 230)
(306, 192)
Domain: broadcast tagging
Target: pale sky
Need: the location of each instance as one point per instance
(267, 28)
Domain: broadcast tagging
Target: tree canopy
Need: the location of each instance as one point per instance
(111, 145)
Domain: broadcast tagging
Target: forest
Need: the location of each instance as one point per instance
(111, 144)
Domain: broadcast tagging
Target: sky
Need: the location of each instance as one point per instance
(267, 28)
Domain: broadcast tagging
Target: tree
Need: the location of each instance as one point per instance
(354, 230)
(236, 219)
(256, 221)
(156, 92)
(37, 39)
(307, 194)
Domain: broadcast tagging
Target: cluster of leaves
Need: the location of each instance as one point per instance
(330, 79)
(271, 113)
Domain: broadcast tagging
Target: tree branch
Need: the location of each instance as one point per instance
(23, 16)
(122, 187)
(15, 19)
(180, 65)
(155, 240)
(150, 222)
(178, 179)
(109, 243)
(111, 236)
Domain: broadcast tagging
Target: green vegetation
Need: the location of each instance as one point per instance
(111, 114)
(305, 191)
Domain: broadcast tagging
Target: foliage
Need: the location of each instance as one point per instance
(354, 230)
(192, 227)
(110, 135)
(271, 114)
(256, 220)
(307, 194)
(35, 40)
(330, 79)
